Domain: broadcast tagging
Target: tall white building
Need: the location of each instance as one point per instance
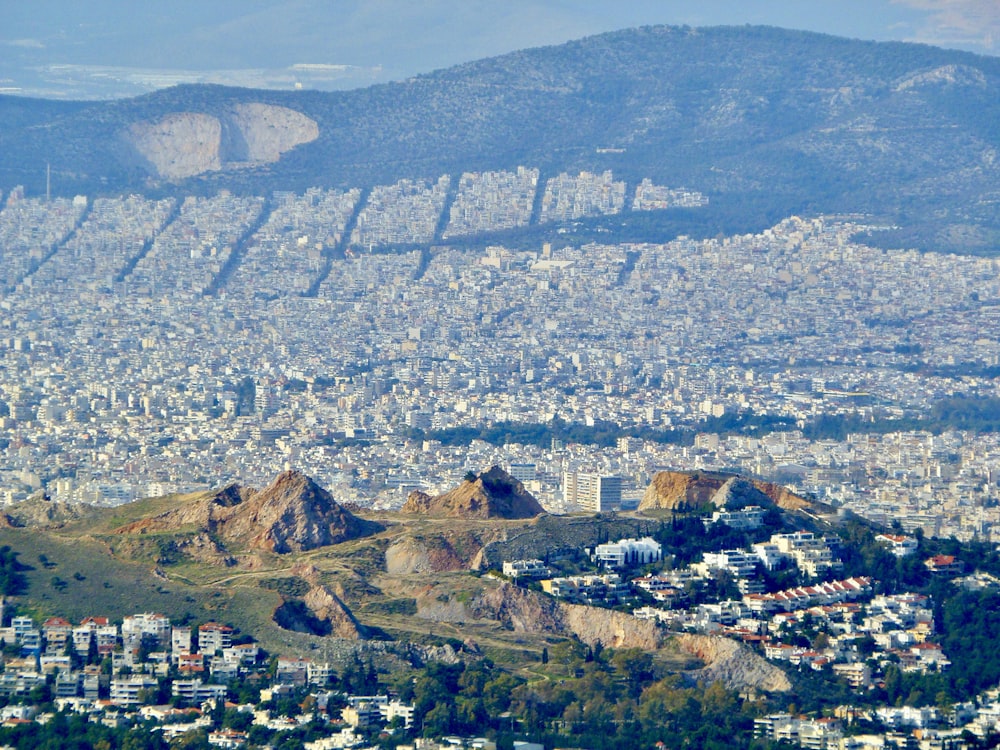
(592, 492)
(523, 472)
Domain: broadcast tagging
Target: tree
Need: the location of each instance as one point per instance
(439, 720)
(12, 580)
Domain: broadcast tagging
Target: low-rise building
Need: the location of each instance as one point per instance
(195, 691)
(628, 552)
(127, 691)
(744, 519)
(898, 544)
(587, 588)
(525, 569)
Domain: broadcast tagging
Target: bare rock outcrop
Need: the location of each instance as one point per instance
(686, 490)
(203, 548)
(519, 610)
(738, 492)
(321, 612)
(678, 490)
(783, 497)
(945, 75)
(179, 145)
(185, 144)
(329, 608)
(594, 625)
(408, 556)
(268, 131)
(448, 551)
(733, 664)
(492, 494)
(293, 514)
(524, 611)
(43, 512)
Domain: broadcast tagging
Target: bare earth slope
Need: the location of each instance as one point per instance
(185, 144)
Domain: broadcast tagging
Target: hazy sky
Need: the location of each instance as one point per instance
(106, 48)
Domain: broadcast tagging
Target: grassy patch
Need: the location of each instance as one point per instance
(406, 607)
(291, 587)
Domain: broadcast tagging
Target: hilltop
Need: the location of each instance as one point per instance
(766, 122)
(492, 494)
(688, 490)
(293, 514)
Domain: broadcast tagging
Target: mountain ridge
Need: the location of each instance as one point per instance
(768, 122)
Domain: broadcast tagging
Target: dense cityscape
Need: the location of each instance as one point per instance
(630, 388)
(159, 346)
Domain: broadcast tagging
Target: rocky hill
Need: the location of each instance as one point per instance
(42, 512)
(687, 490)
(492, 494)
(766, 122)
(293, 514)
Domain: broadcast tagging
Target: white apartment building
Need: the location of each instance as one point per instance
(592, 492)
(628, 552)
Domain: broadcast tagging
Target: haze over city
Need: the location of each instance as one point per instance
(111, 48)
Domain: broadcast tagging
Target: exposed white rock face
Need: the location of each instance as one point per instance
(734, 664)
(946, 75)
(185, 144)
(269, 131)
(179, 145)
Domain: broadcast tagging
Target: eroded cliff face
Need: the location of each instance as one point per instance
(734, 664)
(186, 144)
(329, 608)
(594, 625)
(411, 556)
(182, 144)
(269, 131)
(524, 611)
(449, 551)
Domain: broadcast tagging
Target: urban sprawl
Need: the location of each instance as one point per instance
(154, 346)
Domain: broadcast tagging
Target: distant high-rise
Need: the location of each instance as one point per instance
(265, 398)
(592, 492)
(523, 472)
